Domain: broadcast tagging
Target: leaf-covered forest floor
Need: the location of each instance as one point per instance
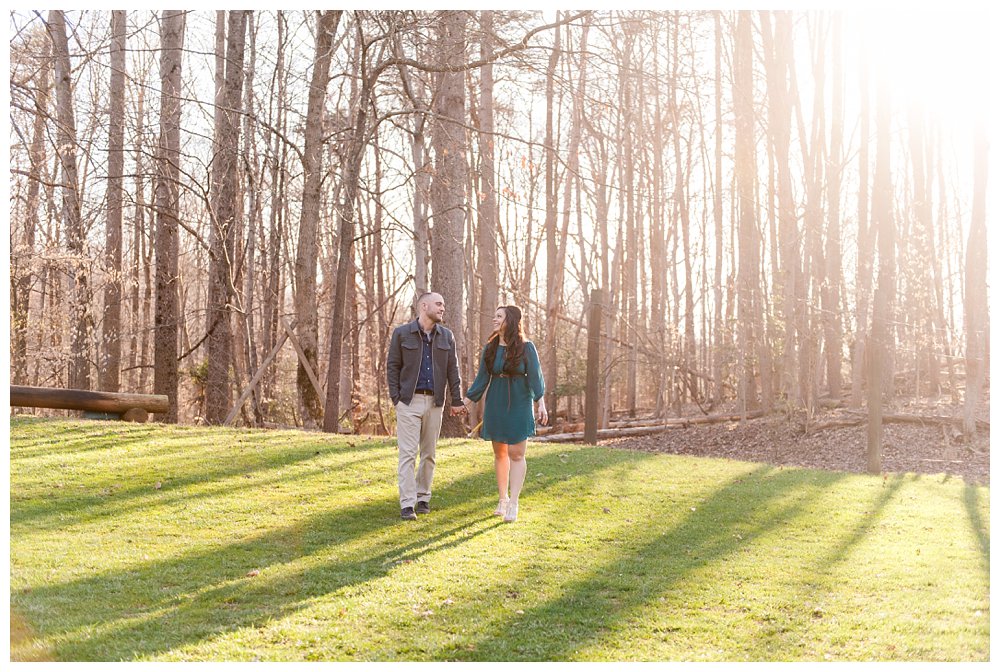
(780, 439)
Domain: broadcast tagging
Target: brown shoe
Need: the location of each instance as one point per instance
(423, 507)
(406, 513)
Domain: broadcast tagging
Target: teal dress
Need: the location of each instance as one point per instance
(508, 414)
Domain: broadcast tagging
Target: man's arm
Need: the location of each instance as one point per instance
(454, 377)
(393, 365)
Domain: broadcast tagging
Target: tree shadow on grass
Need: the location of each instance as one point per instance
(68, 508)
(163, 605)
(970, 497)
(615, 593)
(67, 440)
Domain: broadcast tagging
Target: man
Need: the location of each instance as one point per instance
(422, 360)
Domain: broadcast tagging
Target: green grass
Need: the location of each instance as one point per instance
(617, 555)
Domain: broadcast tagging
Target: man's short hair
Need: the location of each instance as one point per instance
(423, 297)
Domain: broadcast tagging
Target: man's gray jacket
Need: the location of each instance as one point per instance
(403, 364)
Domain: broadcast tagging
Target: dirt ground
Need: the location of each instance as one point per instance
(781, 440)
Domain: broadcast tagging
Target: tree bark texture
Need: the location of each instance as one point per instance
(448, 197)
(306, 254)
(167, 197)
(79, 366)
(227, 209)
(111, 350)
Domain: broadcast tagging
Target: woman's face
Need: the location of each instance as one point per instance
(499, 317)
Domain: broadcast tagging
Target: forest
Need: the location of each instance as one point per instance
(779, 210)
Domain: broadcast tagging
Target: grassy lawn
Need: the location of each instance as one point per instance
(152, 542)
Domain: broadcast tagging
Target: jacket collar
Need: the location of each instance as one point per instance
(415, 328)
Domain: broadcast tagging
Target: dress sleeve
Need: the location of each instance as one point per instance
(478, 387)
(536, 382)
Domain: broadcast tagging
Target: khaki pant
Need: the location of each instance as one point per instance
(417, 428)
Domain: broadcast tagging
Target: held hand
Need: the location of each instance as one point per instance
(456, 410)
(542, 414)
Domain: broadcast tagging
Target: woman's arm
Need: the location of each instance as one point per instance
(536, 382)
(478, 387)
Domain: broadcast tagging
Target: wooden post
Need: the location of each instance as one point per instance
(591, 419)
(256, 378)
(303, 359)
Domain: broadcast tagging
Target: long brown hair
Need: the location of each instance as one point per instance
(513, 336)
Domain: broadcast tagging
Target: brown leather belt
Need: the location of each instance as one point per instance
(428, 392)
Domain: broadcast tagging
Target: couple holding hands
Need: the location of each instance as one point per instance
(422, 361)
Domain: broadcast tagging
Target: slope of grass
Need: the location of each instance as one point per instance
(151, 542)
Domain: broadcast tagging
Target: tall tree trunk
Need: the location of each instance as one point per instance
(487, 244)
(924, 308)
(687, 353)
(248, 269)
(720, 327)
(811, 277)
(659, 229)
(111, 351)
(833, 321)
(866, 244)
(778, 52)
(346, 212)
(976, 305)
(227, 210)
(79, 370)
(448, 187)
(553, 285)
(745, 175)
(305, 259)
(273, 294)
(167, 204)
(629, 288)
(144, 274)
(879, 341)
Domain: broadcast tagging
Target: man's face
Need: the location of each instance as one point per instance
(433, 307)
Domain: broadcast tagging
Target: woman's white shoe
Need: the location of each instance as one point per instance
(510, 515)
(501, 508)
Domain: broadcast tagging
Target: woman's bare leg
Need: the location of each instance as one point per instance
(501, 464)
(518, 472)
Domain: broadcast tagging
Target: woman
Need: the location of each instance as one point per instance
(511, 378)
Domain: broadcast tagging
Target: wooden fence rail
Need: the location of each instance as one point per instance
(135, 407)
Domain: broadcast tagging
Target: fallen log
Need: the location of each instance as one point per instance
(661, 426)
(931, 419)
(861, 418)
(135, 407)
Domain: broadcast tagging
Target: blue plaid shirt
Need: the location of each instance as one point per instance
(425, 380)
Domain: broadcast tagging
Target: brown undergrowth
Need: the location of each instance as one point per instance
(782, 439)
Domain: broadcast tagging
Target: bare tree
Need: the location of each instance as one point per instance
(748, 246)
(718, 356)
(553, 285)
(487, 242)
(110, 363)
(879, 340)
(448, 197)
(305, 260)
(79, 371)
(831, 293)
(167, 197)
(976, 305)
(226, 201)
